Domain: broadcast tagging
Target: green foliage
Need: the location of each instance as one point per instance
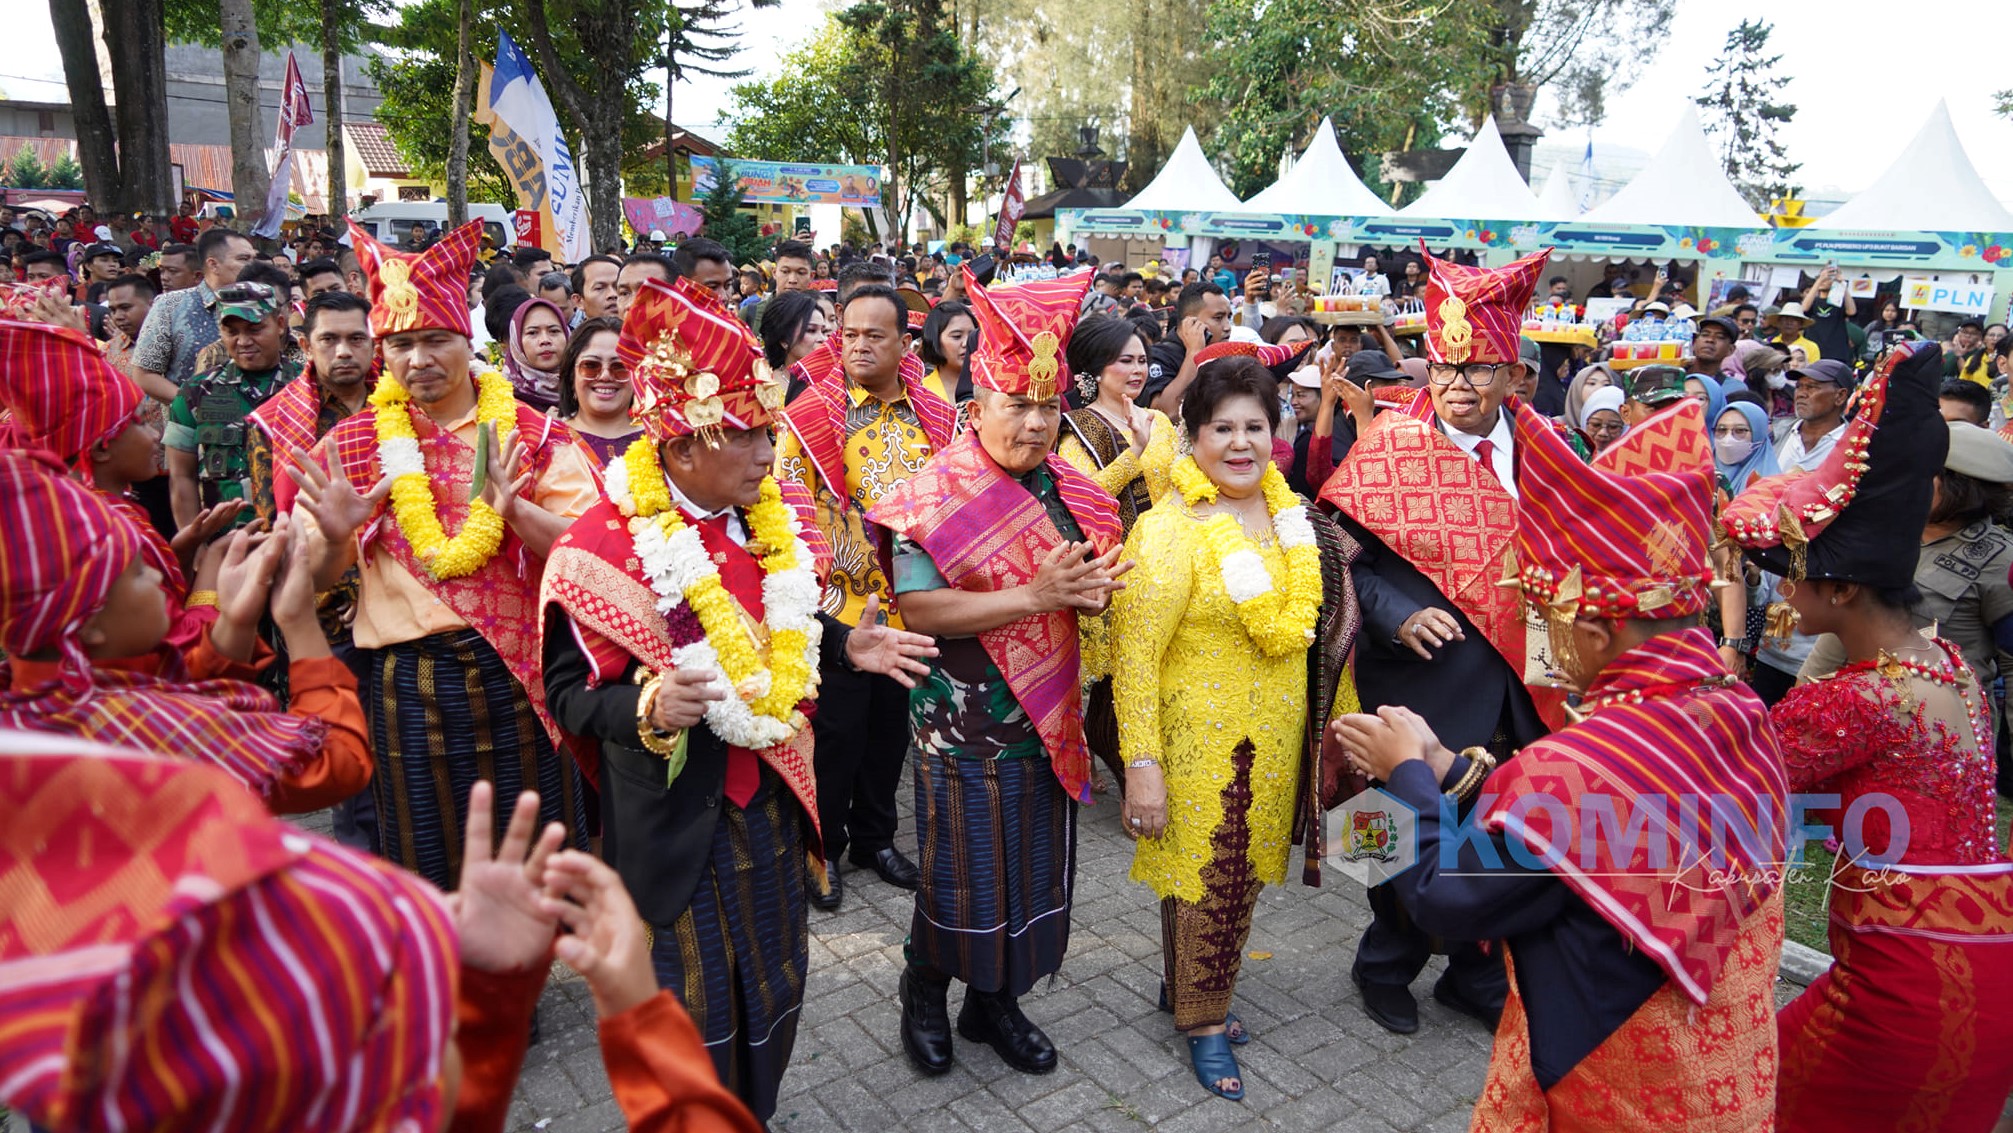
(727, 223)
(1741, 112)
(2002, 103)
(26, 171)
(1583, 50)
(63, 173)
(885, 83)
(280, 22)
(1387, 74)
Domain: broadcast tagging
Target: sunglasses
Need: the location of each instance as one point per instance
(590, 368)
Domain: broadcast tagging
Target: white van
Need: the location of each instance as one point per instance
(392, 221)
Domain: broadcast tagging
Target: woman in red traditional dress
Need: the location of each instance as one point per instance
(1912, 1028)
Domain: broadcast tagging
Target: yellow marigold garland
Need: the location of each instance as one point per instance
(1279, 620)
(412, 503)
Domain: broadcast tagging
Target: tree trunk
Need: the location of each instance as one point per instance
(332, 17)
(958, 203)
(1142, 142)
(464, 106)
(598, 119)
(72, 22)
(670, 156)
(604, 183)
(249, 176)
(134, 38)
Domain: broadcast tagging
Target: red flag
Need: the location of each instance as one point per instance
(1012, 207)
(294, 113)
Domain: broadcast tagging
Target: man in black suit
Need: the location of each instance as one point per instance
(1439, 636)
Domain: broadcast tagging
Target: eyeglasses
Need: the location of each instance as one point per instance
(1478, 375)
(590, 368)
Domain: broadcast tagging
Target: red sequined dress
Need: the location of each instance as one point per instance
(1912, 1028)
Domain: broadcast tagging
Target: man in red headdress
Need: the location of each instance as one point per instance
(865, 421)
(706, 787)
(447, 494)
(1431, 495)
(1642, 937)
(995, 548)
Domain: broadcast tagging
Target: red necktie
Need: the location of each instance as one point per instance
(1485, 452)
(740, 576)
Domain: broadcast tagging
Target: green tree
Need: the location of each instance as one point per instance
(699, 38)
(2002, 103)
(417, 111)
(725, 222)
(64, 173)
(26, 171)
(124, 157)
(1389, 75)
(1742, 111)
(1582, 50)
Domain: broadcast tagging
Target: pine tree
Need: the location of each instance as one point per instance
(25, 170)
(725, 221)
(64, 173)
(1741, 110)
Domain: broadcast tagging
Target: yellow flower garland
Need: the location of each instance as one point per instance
(412, 504)
(719, 614)
(1280, 620)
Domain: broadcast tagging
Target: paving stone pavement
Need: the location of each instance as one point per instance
(1316, 1061)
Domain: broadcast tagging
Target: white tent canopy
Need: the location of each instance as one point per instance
(1558, 194)
(1683, 184)
(1320, 184)
(1932, 185)
(1187, 183)
(1483, 185)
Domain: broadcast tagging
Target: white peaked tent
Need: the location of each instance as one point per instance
(1931, 186)
(1683, 184)
(1320, 184)
(1558, 194)
(1187, 183)
(1483, 185)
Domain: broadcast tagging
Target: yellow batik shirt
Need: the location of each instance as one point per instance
(885, 445)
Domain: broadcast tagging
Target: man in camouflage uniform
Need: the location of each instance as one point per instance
(207, 434)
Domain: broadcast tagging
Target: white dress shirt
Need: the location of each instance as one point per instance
(1502, 458)
(1792, 455)
(737, 530)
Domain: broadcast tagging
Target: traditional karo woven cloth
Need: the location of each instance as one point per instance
(1280, 359)
(423, 291)
(985, 532)
(1691, 762)
(1023, 333)
(1601, 544)
(1806, 525)
(288, 417)
(172, 957)
(693, 364)
(65, 547)
(60, 394)
(1477, 314)
(818, 414)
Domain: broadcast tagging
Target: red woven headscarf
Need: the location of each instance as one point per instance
(61, 393)
(693, 365)
(1477, 314)
(423, 291)
(65, 546)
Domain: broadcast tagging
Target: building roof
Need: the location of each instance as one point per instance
(1683, 184)
(1483, 185)
(374, 149)
(1931, 185)
(682, 138)
(1320, 184)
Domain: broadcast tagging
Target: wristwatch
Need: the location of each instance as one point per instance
(1737, 644)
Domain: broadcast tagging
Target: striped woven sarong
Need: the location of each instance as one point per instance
(737, 957)
(445, 712)
(998, 842)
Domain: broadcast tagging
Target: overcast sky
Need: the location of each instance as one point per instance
(1863, 76)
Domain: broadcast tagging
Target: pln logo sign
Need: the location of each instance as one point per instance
(1373, 837)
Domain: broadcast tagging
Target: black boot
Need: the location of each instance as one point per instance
(996, 1020)
(926, 1021)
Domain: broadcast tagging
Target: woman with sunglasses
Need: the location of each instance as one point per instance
(594, 391)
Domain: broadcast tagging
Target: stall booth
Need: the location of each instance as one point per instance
(1960, 268)
(1160, 222)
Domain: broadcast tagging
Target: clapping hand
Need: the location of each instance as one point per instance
(503, 923)
(1071, 577)
(607, 946)
(251, 560)
(329, 496)
(875, 647)
(189, 540)
(509, 475)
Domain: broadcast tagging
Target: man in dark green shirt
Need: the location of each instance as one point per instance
(206, 435)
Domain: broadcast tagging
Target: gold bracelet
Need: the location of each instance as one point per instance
(1480, 764)
(199, 598)
(654, 741)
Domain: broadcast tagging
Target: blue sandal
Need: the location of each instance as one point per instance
(1210, 1056)
(1233, 1027)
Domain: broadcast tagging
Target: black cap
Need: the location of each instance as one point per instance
(1731, 328)
(93, 251)
(1373, 366)
(1825, 370)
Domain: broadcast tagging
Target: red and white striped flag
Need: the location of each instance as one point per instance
(295, 112)
(1012, 207)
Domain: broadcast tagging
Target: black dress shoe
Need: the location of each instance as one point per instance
(1450, 996)
(1391, 1006)
(926, 1022)
(827, 899)
(996, 1020)
(894, 867)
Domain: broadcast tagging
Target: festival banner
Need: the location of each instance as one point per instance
(525, 138)
(294, 113)
(789, 183)
(674, 219)
(1012, 207)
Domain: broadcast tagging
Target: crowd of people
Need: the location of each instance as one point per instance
(669, 567)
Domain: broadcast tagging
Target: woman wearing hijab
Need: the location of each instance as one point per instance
(1597, 376)
(1740, 448)
(531, 360)
(1601, 421)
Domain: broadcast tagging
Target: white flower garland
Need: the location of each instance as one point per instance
(674, 564)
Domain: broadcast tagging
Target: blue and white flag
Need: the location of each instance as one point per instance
(518, 99)
(1587, 176)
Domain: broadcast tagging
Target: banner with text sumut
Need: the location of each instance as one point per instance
(525, 138)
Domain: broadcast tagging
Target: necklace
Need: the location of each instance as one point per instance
(765, 707)
(412, 505)
(1278, 621)
(1665, 691)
